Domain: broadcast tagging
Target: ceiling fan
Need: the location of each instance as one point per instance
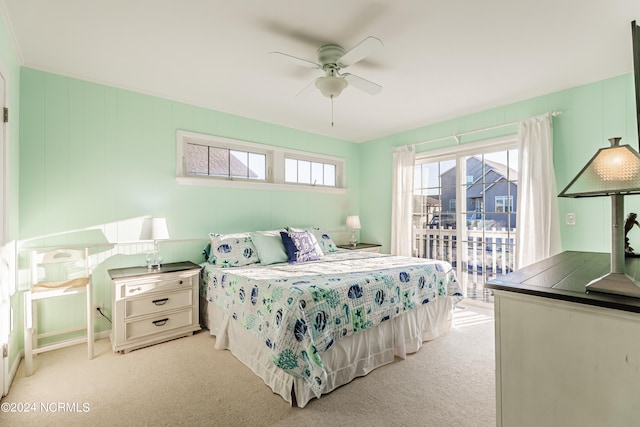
(331, 59)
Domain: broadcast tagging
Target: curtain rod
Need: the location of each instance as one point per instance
(457, 136)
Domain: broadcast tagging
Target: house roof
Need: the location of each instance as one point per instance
(476, 190)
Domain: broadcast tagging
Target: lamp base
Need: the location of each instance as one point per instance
(154, 259)
(617, 284)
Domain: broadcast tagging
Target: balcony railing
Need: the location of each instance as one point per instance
(484, 253)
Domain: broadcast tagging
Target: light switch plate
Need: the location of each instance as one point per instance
(570, 218)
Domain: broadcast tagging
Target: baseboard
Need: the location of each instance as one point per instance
(13, 370)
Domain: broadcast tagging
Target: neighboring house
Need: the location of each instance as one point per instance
(492, 194)
(424, 210)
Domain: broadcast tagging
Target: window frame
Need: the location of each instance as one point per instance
(275, 167)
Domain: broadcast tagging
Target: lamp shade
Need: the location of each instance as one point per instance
(331, 86)
(612, 170)
(353, 222)
(154, 229)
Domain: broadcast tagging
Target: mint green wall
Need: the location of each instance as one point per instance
(11, 70)
(92, 155)
(590, 115)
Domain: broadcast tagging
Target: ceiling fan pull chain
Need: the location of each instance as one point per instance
(331, 110)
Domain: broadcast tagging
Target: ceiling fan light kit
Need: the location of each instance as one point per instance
(331, 86)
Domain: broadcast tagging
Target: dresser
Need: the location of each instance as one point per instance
(565, 357)
(152, 306)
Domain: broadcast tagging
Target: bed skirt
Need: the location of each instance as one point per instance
(348, 358)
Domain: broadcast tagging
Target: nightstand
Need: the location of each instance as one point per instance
(152, 306)
(367, 247)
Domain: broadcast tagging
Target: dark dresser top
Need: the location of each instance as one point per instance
(564, 277)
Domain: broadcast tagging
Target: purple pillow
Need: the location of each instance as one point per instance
(300, 246)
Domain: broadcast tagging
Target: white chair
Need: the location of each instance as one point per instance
(73, 264)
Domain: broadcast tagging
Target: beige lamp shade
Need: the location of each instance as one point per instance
(353, 222)
(154, 229)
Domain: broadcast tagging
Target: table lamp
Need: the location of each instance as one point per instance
(353, 223)
(615, 172)
(154, 229)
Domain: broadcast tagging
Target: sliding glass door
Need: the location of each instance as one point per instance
(464, 212)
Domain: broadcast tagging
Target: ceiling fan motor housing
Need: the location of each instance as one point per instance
(330, 54)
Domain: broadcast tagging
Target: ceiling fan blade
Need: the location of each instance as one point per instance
(362, 84)
(365, 48)
(298, 61)
(306, 90)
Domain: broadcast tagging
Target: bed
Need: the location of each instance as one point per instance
(309, 326)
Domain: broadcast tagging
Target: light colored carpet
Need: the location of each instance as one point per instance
(449, 382)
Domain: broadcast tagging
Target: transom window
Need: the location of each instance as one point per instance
(308, 172)
(213, 160)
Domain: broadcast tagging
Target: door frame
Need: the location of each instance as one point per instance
(5, 274)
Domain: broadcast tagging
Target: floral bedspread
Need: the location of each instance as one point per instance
(300, 310)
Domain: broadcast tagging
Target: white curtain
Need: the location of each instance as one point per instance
(402, 200)
(538, 224)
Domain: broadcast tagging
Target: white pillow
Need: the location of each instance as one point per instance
(269, 246)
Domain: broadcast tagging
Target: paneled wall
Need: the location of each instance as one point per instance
(94, 160)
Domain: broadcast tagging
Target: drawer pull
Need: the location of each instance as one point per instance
(181, 282)
(161, 322)
(135, 289)
(162, 301)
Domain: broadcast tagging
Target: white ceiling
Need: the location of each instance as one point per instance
(440, 60)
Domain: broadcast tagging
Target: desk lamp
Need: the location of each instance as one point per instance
(615, 172)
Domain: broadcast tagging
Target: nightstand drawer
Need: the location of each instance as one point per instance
(140, 287)
(158, 324)
(158, 302)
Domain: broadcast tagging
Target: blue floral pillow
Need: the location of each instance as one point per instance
(232, 250)
(324, 239)
(300, 246)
